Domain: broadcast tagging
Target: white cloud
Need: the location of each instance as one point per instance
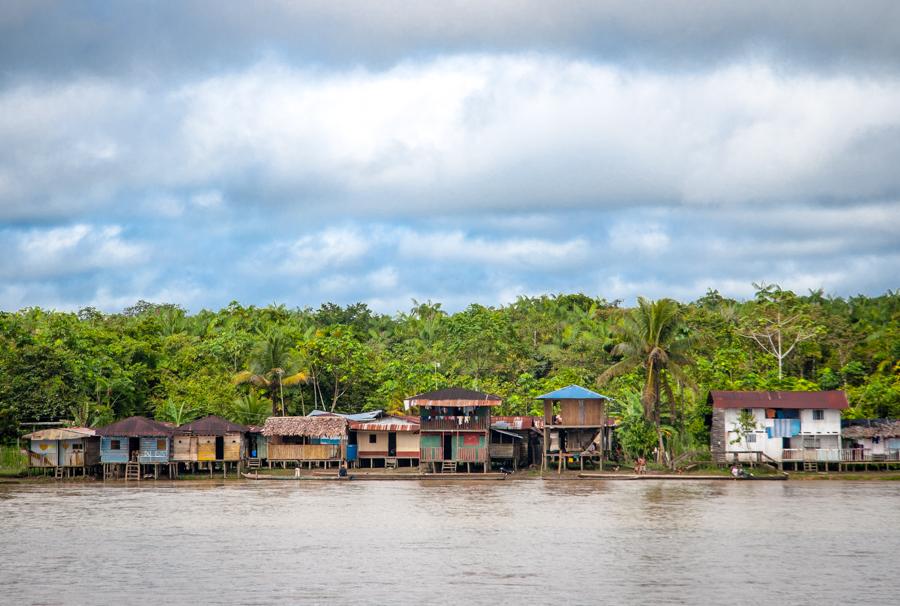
(41, 253)
(649, 239)
(311, 254)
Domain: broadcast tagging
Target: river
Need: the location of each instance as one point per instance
(519, 541)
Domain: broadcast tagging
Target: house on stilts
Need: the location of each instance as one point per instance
(454, 429)
(136, 445)
(312, 441)
(386, 441)
(576, 428)
(63, 451)
(210, 442)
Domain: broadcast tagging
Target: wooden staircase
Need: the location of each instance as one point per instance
(810, 466)
(132, 471)
(58, 473)
(448, 467)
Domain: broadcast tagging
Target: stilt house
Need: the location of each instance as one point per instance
(138, 440)
(575, 427)
(525, 451)
(387, 441)
(210, 440)
(320, 440)
(454, 428)
(66, 449)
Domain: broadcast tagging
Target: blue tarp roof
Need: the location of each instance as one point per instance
(360, 417)
(573, 392)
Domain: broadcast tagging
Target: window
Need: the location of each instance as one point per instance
(161, 444)
(751, 438)
(373, 438)
(115, 444)
(747, 411)
(818, 415)
(77, 446)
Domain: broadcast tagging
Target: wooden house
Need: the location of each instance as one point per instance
(522, 452)
(387, 441)
(257, 446)
(872, 439)
(139, 441)
(320, 440)
(210, 441)
(454, 428)
(576, 427)
(65, 451)
(799, 428)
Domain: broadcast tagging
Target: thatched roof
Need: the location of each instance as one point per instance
(211, 426)
(311, 427)
(882, 429)
(136, 427)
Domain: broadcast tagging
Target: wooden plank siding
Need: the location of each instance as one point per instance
(184, 448)
(114, 449)
(304, 452)
(154, 450)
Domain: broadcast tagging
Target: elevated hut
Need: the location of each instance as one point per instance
(387, 441)
(257, 446)
(209, 442)
(138, 443)
(454, 428)
(575, 427)
(64, 451)
(871, 440)
(320, 440)
(522, 452)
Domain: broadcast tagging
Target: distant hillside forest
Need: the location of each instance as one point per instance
(657, 360)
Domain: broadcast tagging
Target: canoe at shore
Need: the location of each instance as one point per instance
(382, 477)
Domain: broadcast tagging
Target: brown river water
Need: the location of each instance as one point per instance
(554, 542)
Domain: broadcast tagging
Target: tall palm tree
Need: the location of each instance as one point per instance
(652, 336)
(273, 367)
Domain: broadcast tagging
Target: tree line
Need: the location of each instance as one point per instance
(657, 360)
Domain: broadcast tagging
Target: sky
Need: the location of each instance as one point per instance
(296, 153)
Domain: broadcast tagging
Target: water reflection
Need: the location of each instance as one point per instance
(479, 542)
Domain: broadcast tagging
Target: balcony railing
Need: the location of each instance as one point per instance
(847, 455)
(449, 423)
(428, 454)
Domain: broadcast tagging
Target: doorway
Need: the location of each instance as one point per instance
(392, 444)
(220, 448)
(448, 447)
(134, 449)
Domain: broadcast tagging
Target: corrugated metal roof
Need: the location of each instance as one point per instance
(572, 392)
(870, 428)
(386, 424)
(358, 416)
(507, 433)
(453, 396)
(523, 422)
(779, 399)
(61, 433)
(313, 427)
(136, 427)
(212, 426)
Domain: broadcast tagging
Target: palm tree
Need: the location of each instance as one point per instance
(273, 367)
(250, 409)
(652, 336)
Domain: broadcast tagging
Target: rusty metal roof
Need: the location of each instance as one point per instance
(522, 422)
(453, 396)
(871, 428)
(212, 426)
(386, 424)
(136, 427)
(779, 399)
(61, 433)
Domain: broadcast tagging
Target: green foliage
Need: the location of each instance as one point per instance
(635, 434)
(156, 359)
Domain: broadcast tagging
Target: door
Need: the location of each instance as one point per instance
(392, 444)
(448, 447)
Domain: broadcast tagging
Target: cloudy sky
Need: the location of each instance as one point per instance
(301, 152)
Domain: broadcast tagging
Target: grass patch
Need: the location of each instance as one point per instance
(13, 461)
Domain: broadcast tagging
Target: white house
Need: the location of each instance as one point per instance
(784, 426)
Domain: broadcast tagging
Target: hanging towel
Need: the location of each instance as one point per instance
(795, 427)
(781, 428)
(769, 432)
